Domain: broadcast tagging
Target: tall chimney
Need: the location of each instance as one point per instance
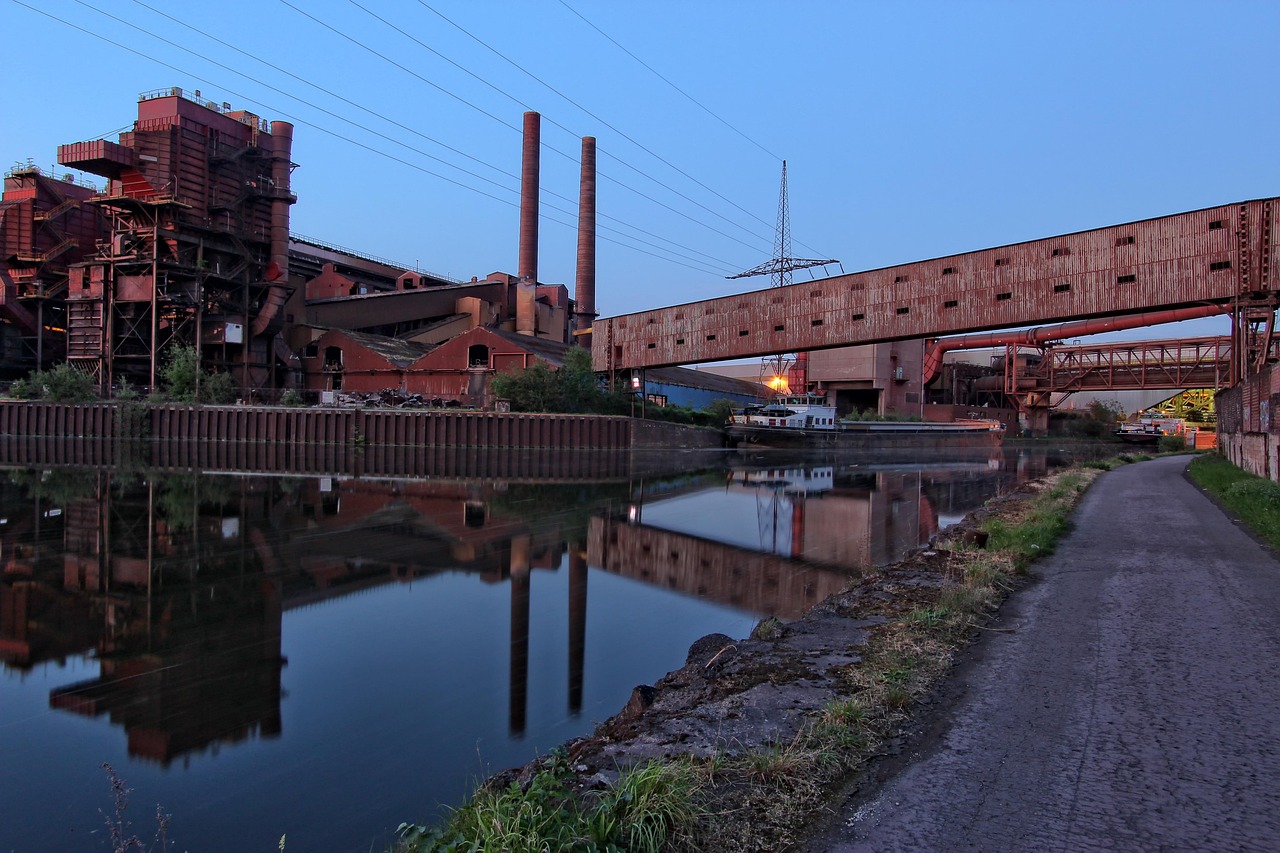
(585, 287)
(527, 286)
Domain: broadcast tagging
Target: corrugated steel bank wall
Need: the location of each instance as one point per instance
(1248, 427)
(355, 441)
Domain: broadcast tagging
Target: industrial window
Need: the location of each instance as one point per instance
(857, 317)
(653, 346)
(898, 279)
(1060, 251)
(904, 310)
(780, 327)
(1002, 262)
(1125, 241)
(951, 303)
(948, 270)
(1215, 225)
(657, 399)
(679, 342)
(711, 337)
(814, 294)
(1001, 297)
(679, 315)
(478, 355)
(710, 310)
(742, 333)
(1061, 288)
(1220, 265)
(1126, 279)
(858, 285)
(817, 322)
(311, 351)
(652, 321)
(778, 300)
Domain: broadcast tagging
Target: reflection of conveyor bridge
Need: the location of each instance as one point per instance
(737, 577)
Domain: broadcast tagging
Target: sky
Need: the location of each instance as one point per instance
(910, 130)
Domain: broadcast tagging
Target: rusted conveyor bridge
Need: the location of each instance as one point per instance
(1225, 255)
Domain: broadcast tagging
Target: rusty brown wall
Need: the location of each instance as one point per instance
(1248, 431)
(390, 442)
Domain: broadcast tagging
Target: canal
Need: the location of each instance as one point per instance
(325, 657)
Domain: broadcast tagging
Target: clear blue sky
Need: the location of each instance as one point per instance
(911, 130)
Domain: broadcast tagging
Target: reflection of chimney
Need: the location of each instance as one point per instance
(527, 286)
(519, 673)
(577, 622)
(585, 289)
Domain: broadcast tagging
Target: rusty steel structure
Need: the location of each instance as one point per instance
(45, 227)
(197, 251)
(1136, 365)
(1224, 255)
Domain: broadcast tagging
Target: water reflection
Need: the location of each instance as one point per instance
(282, 618)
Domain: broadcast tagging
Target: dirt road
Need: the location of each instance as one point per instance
(1134, 705)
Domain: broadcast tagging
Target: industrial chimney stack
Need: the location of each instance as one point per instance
(527, 286)
(585, 288)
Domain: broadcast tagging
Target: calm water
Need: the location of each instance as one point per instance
(325, 658)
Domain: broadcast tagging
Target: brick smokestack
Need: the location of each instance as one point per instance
(585, 287)
(527, 287)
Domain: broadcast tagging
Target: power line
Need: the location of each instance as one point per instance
(625, 136)
(523, 105)
(383, 57)
(655, 73)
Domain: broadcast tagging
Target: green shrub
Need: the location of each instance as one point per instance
(61, 384)
(1171, 444)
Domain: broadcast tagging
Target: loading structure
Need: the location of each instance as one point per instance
(196, 250)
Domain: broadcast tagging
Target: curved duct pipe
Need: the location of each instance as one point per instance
(1044, 334)
(278, 265)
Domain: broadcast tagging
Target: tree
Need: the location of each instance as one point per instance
(186, 382)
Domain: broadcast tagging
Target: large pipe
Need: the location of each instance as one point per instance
(527, 271)
(1044, 334)
(585, 286)
(278, 264)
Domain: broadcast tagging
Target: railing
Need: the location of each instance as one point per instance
(194, 97)
(333, 247)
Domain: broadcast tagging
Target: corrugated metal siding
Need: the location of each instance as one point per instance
(1091, 273)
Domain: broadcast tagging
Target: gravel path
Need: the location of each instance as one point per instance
(1135, 705)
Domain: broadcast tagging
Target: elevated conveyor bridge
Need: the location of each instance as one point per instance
(1225, 255)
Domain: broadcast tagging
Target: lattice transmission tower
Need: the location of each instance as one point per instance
(784, 366)
(780, 268)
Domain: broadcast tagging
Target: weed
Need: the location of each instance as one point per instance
(768, 629)
(898, 697)
(844, 712)
(648, 805)
(118, 826)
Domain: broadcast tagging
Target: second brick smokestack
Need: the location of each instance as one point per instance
(585, 288)
(527, 287)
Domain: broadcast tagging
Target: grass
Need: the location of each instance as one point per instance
(1256, 501)
(651, 806)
